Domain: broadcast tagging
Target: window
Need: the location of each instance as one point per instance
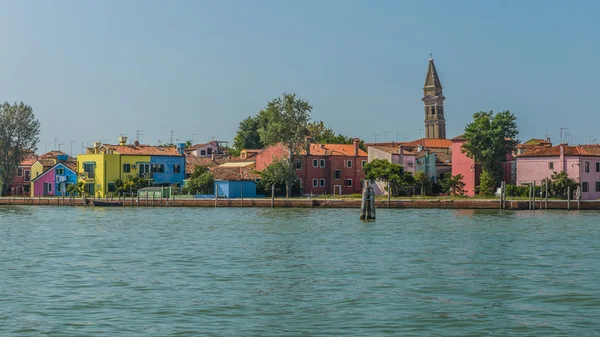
(60, 171)
(89, 189)
(348, 182)
(126, 168)
(349, 164)
(322, 162)
(315, 182)
(59, 188)
(176, 168)
(363, 163)
(20, 172)
(49, 187)
(298, 165)
(27, 176)
(143, 169)
(315, 163)
(551, 165)
(89, 169)
(598, 186)
(587, 166)
(209, 150)
(203, 152)
(410, 164)
(158, 168)
(112, 187)
(337, 174)
(322, 182)
(585, 187)
(598, 167)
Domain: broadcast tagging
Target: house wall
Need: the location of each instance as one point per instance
(213, 146)
(169, 177)
(70, 176)
(132, 161)
(374, 153)
(461, 164)
(427, 164)
(37, 187)
(268, 155)
(107, 169)
(355, 173)
(36, 170)
(591, 177)
(233, 188)
(19, 184)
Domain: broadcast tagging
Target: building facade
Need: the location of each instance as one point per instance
(323, 168)
(55, 180)
(103, 164)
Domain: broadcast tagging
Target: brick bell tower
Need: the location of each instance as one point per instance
(435, 124)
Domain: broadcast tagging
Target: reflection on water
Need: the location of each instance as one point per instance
(297, 272)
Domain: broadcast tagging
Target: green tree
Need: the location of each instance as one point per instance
(280, 172)
(453, 184)
(19, 131)
(559, 184)
(422, 181)
(320, 133)
(201, 181)
(247, 136)
(489, 138)
(487, 182)
(383, 170)
(75, 189)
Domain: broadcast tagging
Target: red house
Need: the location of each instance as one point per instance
(22, 179)
(323, 168)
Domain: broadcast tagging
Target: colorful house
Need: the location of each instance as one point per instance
(235, 182)
(103, 164)
(470, 170)
(55, 180)
(22, 180)
(581, 162)
(322, 168)
(204, 150)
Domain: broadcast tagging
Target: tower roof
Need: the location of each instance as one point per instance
(432, 81)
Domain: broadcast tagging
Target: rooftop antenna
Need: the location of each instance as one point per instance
(159, 142)
(55, 141)
(561, 134)
(172, 133)
(547, 135)
(138, 133)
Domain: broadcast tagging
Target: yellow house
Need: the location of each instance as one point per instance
(103, 164)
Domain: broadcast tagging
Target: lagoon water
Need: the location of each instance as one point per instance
(297, 272)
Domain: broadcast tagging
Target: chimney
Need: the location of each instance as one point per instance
(97, 146)
(356, 142)
(136, 143)
(122, 140)
(308, 141)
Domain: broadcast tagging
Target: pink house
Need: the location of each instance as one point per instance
(581, 163)
(204, 150)
(461, 164)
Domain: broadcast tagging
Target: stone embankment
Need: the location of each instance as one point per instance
(317, 203)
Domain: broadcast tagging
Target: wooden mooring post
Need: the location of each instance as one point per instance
(367, 206)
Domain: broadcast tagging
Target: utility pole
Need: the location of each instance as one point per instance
(172, 133)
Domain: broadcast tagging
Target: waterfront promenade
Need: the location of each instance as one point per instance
(441, 203)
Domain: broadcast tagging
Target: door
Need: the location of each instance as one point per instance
(47, 189)
(337, 189)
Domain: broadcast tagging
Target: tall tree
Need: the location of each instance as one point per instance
(280, 172)
(247, 136)
(489, 138)
(19, 131)
(319, 132)
(288, 118)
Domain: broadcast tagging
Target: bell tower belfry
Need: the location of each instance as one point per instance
(435, 124)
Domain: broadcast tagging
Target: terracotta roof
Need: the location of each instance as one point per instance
(28, 161)
(334, 150)
(554, 151)
(393, 150)
(197, 146)
(46, 162)
(53, 155)
(71, 164)
(538, 142)
(458, 138)
(234, 173)
(443, 159)
(144, 150)
(193, 161)
(425, 142)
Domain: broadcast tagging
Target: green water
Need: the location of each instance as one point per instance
(297, 272)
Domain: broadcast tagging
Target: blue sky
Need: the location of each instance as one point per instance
(94, 69)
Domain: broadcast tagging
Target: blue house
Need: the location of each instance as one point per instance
(234, 182)
(54, 181)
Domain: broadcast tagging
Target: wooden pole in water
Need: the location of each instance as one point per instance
(372, 200)
(273, 195)
(363, 204)
(546, 194)
(533, 196)
(138, 199)
(568, 198)
(389, 193)
(242, 194)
